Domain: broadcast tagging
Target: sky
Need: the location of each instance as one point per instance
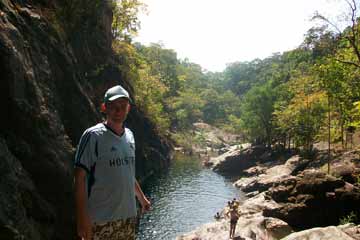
(213, 33)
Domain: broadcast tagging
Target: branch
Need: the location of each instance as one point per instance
(348, 62)
(353, 39)
(354, 46)
(321, 17)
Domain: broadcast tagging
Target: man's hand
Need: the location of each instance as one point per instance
(145, 205)
(83, 221)
(84, 228)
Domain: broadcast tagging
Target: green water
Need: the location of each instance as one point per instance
(183, 198)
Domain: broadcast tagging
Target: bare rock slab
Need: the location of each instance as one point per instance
(327, 233)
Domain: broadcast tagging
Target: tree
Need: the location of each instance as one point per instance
(125, 22)
(348, 38)
(164, 64)
(256, 113)
(303, 117)
(186, 108)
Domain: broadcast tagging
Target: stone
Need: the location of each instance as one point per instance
(277, 173)
(313, 199)
(277, 228)
(236, 160)
(327, 233)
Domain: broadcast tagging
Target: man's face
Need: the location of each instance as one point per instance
(117, 110)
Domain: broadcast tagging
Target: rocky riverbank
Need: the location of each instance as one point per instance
(289, 197)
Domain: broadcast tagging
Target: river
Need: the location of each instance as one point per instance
(184, 197)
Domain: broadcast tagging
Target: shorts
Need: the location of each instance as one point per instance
(233, 222)
(116, 230)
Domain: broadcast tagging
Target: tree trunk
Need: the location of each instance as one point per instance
(289, 146)
(329, 133)
(342, 127)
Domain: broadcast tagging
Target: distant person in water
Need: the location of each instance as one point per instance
(105, 184)
(217, 216)
(234, 217)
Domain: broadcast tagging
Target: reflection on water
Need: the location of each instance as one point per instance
(183, 198)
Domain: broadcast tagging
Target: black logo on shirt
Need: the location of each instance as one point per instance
(117, 162)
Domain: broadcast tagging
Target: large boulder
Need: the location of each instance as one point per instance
(313, 199)
(256, 227)
(251, 224)
(327, 233)
(236, 160)
(272, 176)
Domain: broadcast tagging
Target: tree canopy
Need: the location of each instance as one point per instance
(290, 97)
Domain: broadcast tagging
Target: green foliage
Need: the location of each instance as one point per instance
(351, 218)
(233, 125)
(218, 107)
(303, 115)
(285, 98)
(148, 88)
(162, 63)
(186, 108)
(79, 15)
(125, 22)
(256, 113)
(355, 115)
(149, 92)
(184, 139)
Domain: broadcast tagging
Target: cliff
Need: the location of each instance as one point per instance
(48, 52)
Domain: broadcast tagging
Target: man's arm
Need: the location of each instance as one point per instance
(145, 203)
(83, 221)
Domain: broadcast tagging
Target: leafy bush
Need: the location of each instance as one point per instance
(351, 218)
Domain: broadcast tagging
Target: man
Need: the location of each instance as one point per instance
(105, 184)
(234, 217)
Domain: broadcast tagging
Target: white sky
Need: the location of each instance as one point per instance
(215, 32)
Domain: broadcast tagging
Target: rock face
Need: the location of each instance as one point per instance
(292, 195)
(328, 233)
(307, 199)
(49, 96)
(264, 178)
(21, 203)
(214, 137)
(253, 228)
(313, 199)
(236, 160)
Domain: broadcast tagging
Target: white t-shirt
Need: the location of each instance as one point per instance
(109, 161)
